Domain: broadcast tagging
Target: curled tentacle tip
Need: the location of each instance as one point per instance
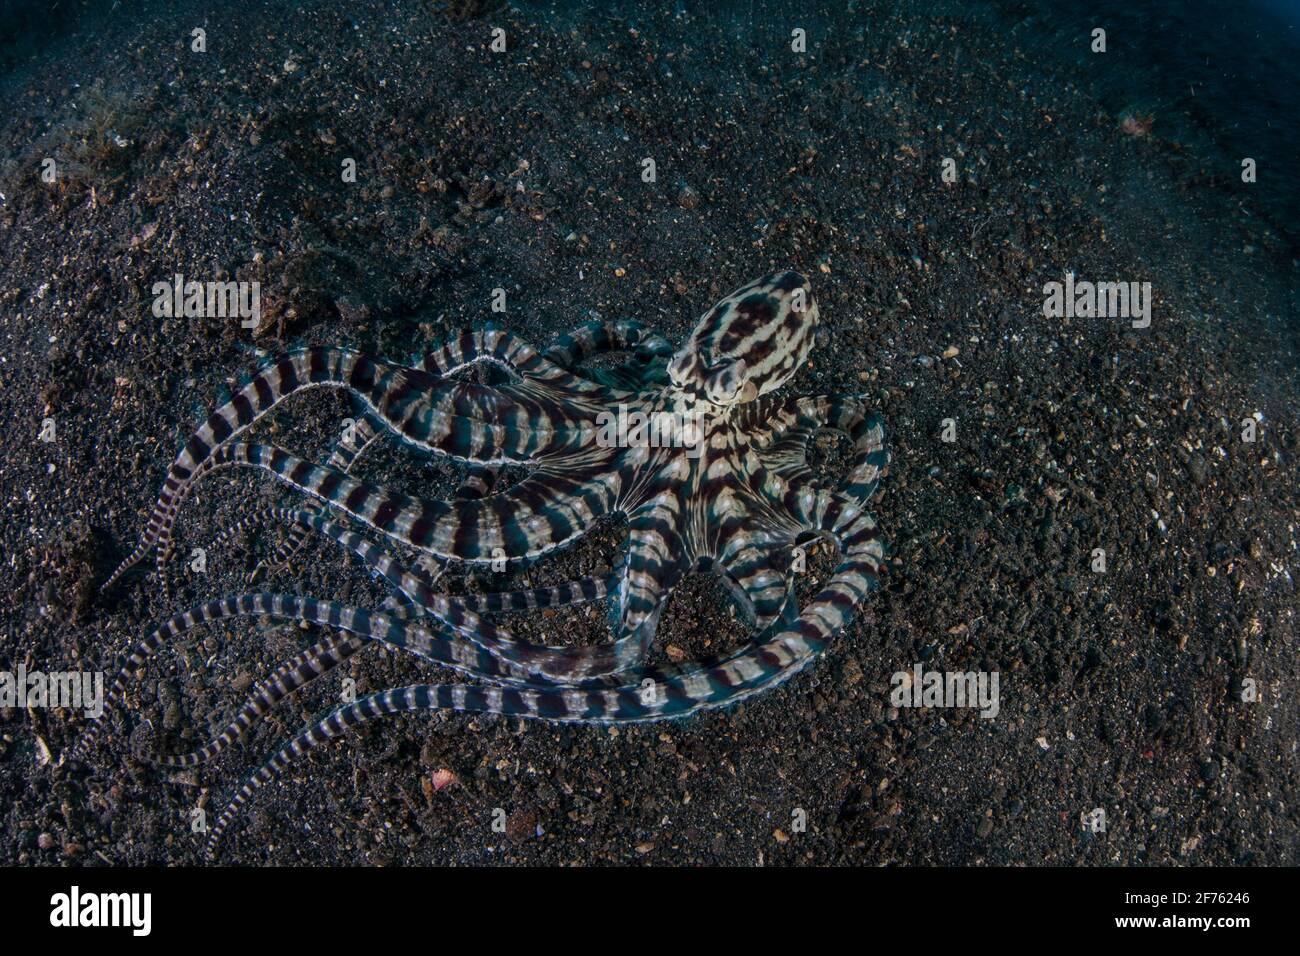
(213, 843)
(116, 576)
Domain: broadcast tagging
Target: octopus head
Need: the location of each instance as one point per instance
(748, 344)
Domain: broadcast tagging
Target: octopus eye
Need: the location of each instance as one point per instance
(680, 367)
(726, 382)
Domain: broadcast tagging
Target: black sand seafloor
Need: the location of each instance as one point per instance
(522, 170)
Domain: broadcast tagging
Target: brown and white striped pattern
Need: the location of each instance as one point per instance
(739, 506)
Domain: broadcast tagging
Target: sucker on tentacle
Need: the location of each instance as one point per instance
(731, 491)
